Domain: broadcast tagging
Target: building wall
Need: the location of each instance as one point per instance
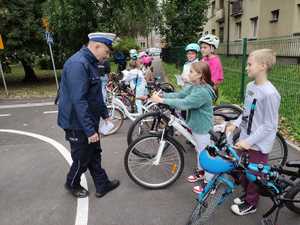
(287, 24)
(152, 41)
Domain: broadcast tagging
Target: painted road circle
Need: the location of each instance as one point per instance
(82, 210)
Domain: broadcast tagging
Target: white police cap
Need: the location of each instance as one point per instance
(105, 38)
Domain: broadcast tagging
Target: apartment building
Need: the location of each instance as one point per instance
(233, 20)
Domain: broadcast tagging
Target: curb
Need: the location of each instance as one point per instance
(292, 145)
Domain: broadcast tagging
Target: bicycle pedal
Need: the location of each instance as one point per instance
(267, 221)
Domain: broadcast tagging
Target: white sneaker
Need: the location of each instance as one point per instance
(243, 209)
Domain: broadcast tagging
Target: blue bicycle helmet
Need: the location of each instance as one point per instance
(134, 56)
(214, 164)
(192, 47)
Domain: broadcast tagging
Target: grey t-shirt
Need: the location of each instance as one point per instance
(259, 120)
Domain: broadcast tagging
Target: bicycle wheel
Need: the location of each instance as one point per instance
(294, 194)
(204, 210)
(279, 153)
(141, 168)
(153, 121)
(117, 119)
(167, 87)
(231, 112)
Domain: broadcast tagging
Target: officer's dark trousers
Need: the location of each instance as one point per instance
(85, 156)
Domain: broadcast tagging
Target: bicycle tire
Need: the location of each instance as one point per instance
(291, 194)
(167, 87)
(137, 121)
(146, 184)
(235, 111)
(119, 116)
(283, 149)
(203, 211)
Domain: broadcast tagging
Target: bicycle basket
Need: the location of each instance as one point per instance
(214, 164)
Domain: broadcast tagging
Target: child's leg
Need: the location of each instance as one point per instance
(140, 92)
(202, 141)
(252, 196)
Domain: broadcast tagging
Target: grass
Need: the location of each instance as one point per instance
(44, 88)
(286, 78)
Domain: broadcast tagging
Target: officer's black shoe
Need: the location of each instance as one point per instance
(109, 187)
(78, 192)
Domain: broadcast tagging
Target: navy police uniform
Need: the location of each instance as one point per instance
(79, 110)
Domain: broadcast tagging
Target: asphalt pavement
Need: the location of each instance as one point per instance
(33, 170)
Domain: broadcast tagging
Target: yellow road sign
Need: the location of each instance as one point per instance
(1, 43)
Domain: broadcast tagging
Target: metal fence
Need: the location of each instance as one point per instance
(285, 77)
(283, 46)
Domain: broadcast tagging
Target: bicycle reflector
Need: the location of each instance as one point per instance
(213, 163)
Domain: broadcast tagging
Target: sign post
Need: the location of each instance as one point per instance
(1, 69)
(49, 40)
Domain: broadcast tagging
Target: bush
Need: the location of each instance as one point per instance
(44, 63)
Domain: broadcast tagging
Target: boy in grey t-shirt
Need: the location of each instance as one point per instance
(258, 123)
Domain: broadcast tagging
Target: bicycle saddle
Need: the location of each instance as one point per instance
(294, 163)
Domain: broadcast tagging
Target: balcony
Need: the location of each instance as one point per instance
(237, 8)
(220, 15)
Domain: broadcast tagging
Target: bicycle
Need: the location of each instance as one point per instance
(156, 121)
(156, 160)
(279, 184)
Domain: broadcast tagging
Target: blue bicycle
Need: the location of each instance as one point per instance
(221, 159)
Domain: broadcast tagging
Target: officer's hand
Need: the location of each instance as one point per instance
(94, 138)
(108, 120)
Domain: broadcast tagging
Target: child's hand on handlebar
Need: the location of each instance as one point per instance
(156, 98)
(242, 145)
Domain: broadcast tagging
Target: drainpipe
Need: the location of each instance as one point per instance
(228, 26)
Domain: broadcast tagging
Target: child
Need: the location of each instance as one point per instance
(133, 54)
(258, 123)
(137, 82)
(104, 70)
(208, 45)
(197, 98)
(192, 51)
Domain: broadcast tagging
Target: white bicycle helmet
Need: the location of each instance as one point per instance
(132, 51)
(210, 39)
(192, 47)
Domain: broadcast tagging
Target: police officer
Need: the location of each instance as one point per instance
(79, 110)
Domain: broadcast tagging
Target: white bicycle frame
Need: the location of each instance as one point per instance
(117, 103)
(179, 126)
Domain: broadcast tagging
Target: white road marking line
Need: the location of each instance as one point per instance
(82, 211)
(5, 115)
(26, 105)
(50, 112)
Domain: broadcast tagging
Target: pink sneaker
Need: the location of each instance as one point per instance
(198, 175)
(197, 189)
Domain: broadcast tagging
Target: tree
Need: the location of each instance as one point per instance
(183, 20)
(22, 31)
(72, 20)
(128, 17)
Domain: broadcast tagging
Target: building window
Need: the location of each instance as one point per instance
(237, 8)
(221, 4)
(213, 31)
(143, 44)
(274, 16)
(221, 34)
(254, 26)
(238, 31)
(213, 8)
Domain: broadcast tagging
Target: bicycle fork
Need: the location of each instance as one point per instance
(162, 144)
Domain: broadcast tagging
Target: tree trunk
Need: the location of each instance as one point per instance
(30, 75)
